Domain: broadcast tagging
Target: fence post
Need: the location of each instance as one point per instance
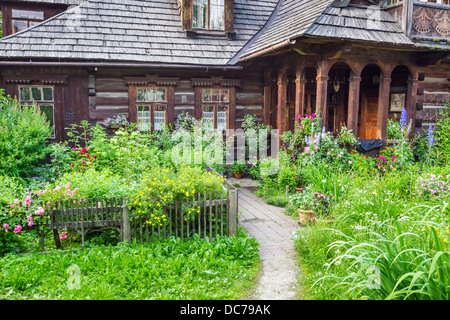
(232, 212)
(126, 230)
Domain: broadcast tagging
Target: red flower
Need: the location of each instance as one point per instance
(83, 150)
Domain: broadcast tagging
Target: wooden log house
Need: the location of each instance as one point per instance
(354, 62)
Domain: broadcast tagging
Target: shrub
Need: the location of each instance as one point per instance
(23, 135)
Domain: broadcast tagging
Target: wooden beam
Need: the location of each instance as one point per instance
(383, 105)
(282, 100)
(353, 102)
(322, 91)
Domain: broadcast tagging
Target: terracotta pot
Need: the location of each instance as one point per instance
(238, 175)
(305, 216)
(299, 190)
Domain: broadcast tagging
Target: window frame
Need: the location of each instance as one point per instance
(152, 105)
(208, 17)
(40, 103)
(216, 104)
(30, 22)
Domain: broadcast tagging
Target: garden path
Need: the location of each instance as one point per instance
(273, 230)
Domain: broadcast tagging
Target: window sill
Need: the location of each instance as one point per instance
(230, 35)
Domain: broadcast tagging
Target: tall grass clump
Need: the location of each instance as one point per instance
(408, 261)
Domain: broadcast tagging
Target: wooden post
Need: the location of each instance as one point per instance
(282, 101)
(126, 230)
(353, 102)
(232, 212)
(322, 91)
(267, 97)
(300, 84)
(411, 101)
(383, 106)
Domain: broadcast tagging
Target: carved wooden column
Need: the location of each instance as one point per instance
(353, 102)
(411, 101)
(282, 99)
(300, 83)
(322, 91)
(383, 105)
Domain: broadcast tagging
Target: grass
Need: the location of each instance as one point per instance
(168, 270)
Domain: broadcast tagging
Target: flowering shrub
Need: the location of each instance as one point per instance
(303, 133)
(23, 135)
(394, 130)
(161, 187)
(185, 121)
(117, 120)
(432, 186)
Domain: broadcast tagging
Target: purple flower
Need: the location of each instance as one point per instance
(403, 119)
(430, 136)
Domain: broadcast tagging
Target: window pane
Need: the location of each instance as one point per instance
(208, 116)
(141, 95)
(48, 94)
(48, 111)
(160, 120)
(215, 95)
(143, 118)
(222, 118)
(19, 26)
(206, 95)
(36, 94)
(26, 14)
(200, 14)
(151, 95)
(224, 95)
(25, 94)
(161, 95)
(217, 20)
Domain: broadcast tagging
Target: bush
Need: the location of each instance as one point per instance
(23, 135)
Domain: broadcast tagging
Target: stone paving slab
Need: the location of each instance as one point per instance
(273, 230)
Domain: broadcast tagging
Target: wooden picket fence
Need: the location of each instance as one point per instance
(218, 216)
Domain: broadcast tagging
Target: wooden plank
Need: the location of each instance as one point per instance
(210, 215)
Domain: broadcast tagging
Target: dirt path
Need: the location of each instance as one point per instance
(274, 232)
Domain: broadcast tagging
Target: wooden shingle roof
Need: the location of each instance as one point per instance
(321, 19)
(358, 24)
(66, 2)
(139, 31)
(293, 18)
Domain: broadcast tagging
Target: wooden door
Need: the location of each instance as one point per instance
(369, 118)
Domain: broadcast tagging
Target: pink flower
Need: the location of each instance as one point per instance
(6, 226)
(349, 162)
(17, 229)
(16, 202)
(12, 206)
(306, 149)
(39, 211)
(28, 200)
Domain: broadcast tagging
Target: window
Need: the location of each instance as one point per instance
(43, 98)
(215, 108)
(208, 14)
(23, 19)
(151, 108)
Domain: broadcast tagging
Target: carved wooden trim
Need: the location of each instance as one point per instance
(208, 82)
(430, 22)
(32, 80)
(154, 79)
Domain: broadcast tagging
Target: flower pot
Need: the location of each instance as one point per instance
(305, 216)
(238, 175)
(299, 190)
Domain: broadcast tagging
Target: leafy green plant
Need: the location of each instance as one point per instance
(238, 167)
(23, 136)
